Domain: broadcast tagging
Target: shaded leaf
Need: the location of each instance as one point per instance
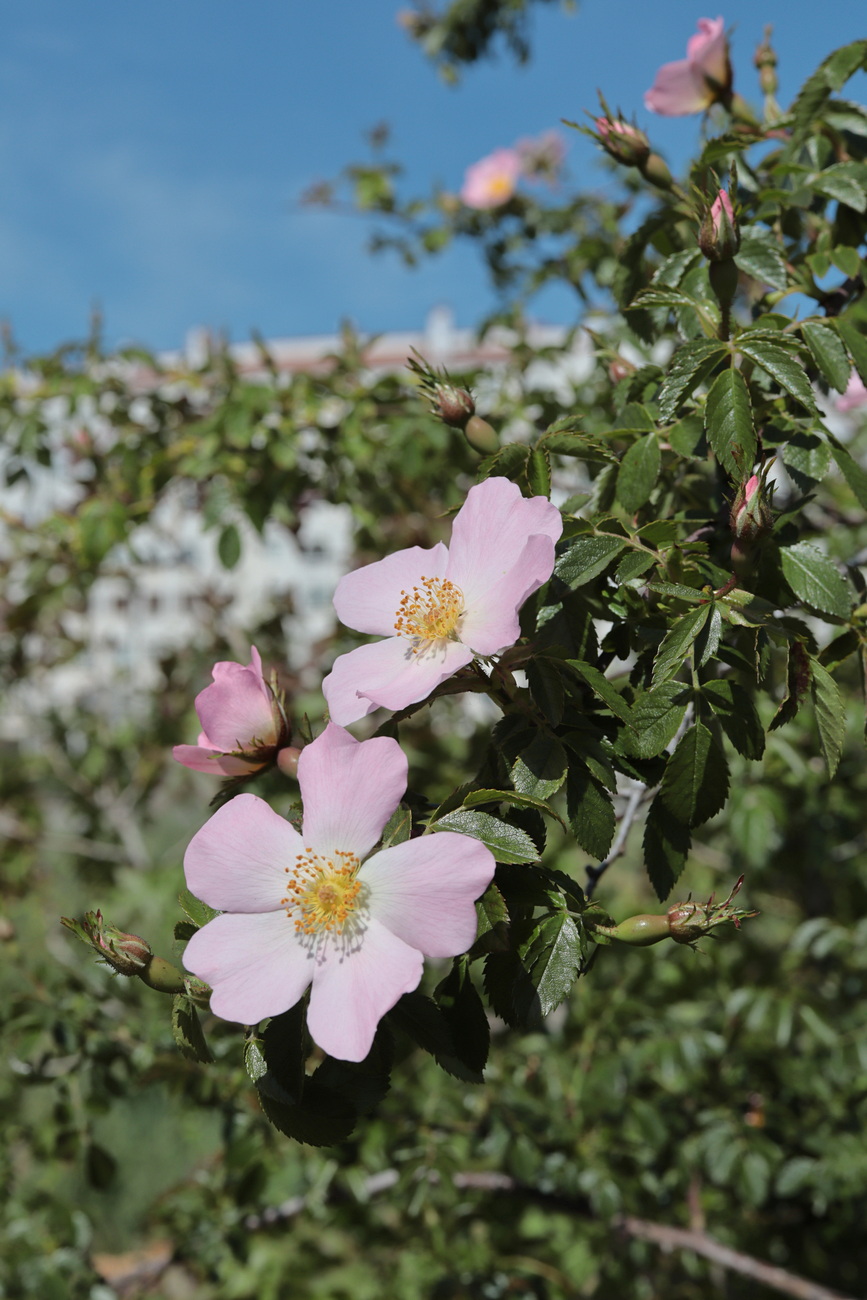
(696, 781)
(830, 715)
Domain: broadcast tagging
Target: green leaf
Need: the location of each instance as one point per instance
(493, 927)
(398, 827)
(478, 797)
(591, 813)
(656, 717)
(541, 769)
(666, 847)
(601, 686)
(509, 462)
(677, 643)
(690, 365)
(572, 443)
(587, 558)
(229, 546)
(856, 344)
(815, 579)
(828, 353)
(539, 472)
(638, 473)
(467, 1020)
(323, 1119)
(685, 436)
(846, 182)
(284, 1048)
(807, 458)
(696, 781)
(831, 75)
(854, 474)
(782, 366)
(197, 911)
(633, 565)
(187, 1030)
(546, 686)
(552, 956)
(738, 715)
(761, 257)
(507, 843)
(728, 421)
(830, 715)
(798, 678)
(708, 639)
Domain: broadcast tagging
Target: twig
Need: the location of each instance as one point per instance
(494, 1182)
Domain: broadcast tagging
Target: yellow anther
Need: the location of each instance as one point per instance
(430, 612)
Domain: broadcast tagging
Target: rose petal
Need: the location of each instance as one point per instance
(236, 709)
(388, 675)
(352, 991)
(368, 598)
(679, 88)
(237, 861)
(424, 890)
(254, 964)
(349, 789)
(490, 532)
(491, 623)
(214, 761)
(708, 49)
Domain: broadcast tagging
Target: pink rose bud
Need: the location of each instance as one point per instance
(491, 181)
(622, 141)
(703, 78)
(750, 517)
(243, 723)
(720, 237)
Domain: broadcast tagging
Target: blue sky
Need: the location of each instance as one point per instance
(152, 154)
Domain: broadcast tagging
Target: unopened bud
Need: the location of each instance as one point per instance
(655, 171)
(750, 516)
(481, 436)
(719, 237)
(453, 405)
(128, 954)
(287, 761)
(627, 143)
(765, 60)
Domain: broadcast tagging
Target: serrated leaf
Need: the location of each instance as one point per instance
(552, 957)
(738, 715)
(184, 930)
(761, 257)
(807, 458)
(493, 923)
(541, 769)
(546, 686)
(677, 643)
(197, 911)
(583, 446)
(846, 182)
(323, 1118)
(398, 827)
(782, 366)
(830, 76)
(830, 715)
(671, 271)
(728, 422)
(509, 462)
(187, 1030)
(666, 847)
(539, 472)
(690, 365)
(507, 843)
(587, 558)
(708, 639)
(633, 565)
(284, 1046)
(854, 474)
(686, 436)
(696, 781)
(656, 717)
(856, 344)
(638, 473)
(512, 797)
(798, 678)
(464, 1014)
(590, 810)
(601, 686)
(815, 579)
(828, 353)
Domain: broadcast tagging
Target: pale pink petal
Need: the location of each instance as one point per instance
(254, 964)
(203, 759)
(854, 396)
(349, 789)
(368, 598)
(491, 622)
(388, 675)
(237, 861)
(424, 890)
(492, 180)
(352, 991)
(679, 88)
(708, 49)
(236, 709)
(490, 532)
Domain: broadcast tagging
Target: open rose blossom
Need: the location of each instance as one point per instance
(441, 607)
(314, 909)
(492, 180)
(692, 84)
(242, 723)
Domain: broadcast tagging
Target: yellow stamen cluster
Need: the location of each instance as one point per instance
(430, 612)
(322, 893)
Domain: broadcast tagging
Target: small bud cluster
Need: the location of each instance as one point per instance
(454, 406)
(685, 922)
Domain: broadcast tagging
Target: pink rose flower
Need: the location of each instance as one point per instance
(692, 84)
(440, 607)
(314, 910)
(854, 396)
(720, 237)
(492, 180)
(242, 722)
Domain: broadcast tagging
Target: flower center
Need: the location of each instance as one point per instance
(323, 894)
(429, 612)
